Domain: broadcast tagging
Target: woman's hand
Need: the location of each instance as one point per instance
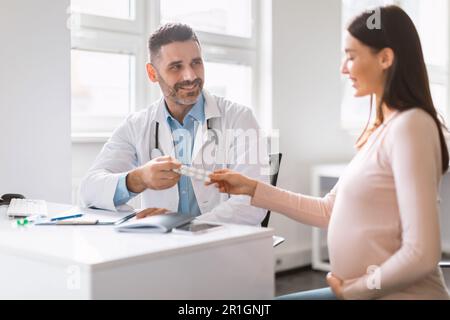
(232, 182)
(336, 285)
(150, 212)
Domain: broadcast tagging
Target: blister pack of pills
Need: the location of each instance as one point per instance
(195, 173)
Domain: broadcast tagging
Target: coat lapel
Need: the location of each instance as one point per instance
(201, 137)
(165, 134)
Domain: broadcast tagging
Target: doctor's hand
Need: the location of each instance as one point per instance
(150, 212)
(228, 181)
(156, 174)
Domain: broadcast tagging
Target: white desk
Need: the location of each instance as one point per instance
(96, 262)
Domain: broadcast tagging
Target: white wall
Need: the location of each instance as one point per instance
(306, 105)
(35, 99)
(83, 156)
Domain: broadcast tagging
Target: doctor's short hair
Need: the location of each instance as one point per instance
(168, 33)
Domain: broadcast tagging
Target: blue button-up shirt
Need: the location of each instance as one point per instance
(184, 137)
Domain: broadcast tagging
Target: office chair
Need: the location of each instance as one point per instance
(274, 162)
(444, 265)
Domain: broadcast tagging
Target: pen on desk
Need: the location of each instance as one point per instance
(66, 217)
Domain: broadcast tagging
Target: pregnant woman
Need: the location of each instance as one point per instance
(382, 216)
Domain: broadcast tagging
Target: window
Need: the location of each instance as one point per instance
(228, 39)
(231, 17)
(238, 91)
(121, 9)
(431, 20)
(101, 83)
(109, 53)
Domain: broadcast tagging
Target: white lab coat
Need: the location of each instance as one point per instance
(130, 146)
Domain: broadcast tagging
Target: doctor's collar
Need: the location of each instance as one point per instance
(197, 111)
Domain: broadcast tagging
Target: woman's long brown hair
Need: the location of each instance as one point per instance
(407, 85)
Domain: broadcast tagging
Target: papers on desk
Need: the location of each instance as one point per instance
(90, 217)
(107, 217)
(156, 224)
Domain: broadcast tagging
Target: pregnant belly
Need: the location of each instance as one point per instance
(355, 251)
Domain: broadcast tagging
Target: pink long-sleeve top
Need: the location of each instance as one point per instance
(382, 216)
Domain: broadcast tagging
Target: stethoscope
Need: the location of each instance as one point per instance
(156, 151)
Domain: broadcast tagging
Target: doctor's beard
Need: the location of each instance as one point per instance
(174, 94)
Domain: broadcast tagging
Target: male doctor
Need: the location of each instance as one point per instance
(187, 126)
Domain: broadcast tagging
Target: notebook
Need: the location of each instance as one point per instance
(156, 224)
(89, 217)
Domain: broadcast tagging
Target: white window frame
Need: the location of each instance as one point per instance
(135, 25)
(110, 43)
(98, 33)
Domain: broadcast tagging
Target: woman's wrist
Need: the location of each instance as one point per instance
(252, 184)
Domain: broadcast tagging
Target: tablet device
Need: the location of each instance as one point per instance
(196, 228)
